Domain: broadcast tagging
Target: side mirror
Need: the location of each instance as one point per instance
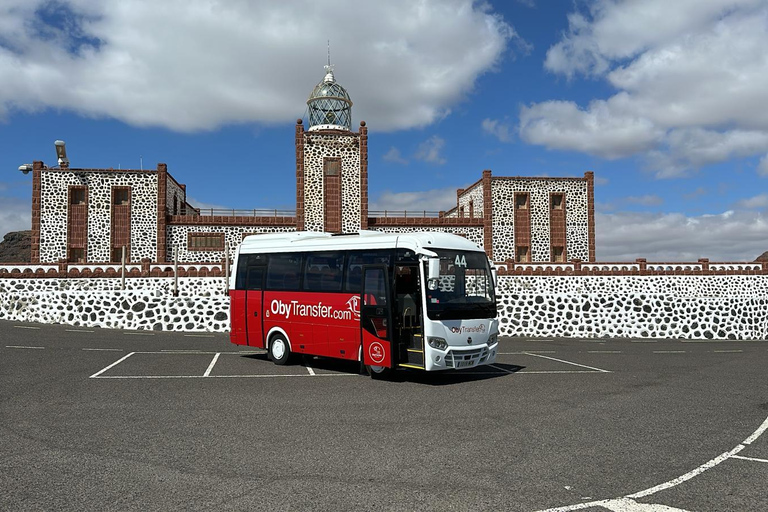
(433, 273)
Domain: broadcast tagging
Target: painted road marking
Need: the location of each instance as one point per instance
(669, 351)
(104, 349)
(110, 366)
(22, 346)
(223, 376)
(604, 352)
(671, 483)
(569, 362)
(210, 366)
(727, 351)
(753, 459)
(77, 330)
(310, 370)
(26, 327)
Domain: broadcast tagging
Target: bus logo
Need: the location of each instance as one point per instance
(353, 305)
(376, 352)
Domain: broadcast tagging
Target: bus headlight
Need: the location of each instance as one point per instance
(438, 343)
(493, 339)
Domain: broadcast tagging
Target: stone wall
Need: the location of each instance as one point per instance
(640, 300)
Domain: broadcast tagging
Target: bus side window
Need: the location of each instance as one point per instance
(283, 271)
(324, 272)
(245, 261)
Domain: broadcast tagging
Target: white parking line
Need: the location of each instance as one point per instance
(569, 362)
(134, 377)
(749, 458)
(21, 346)
(604, 352)
(26, 327)
(77, 330)
(310, 370)
(210, 366)
(727, 351)
(669, 351)
(95, 375)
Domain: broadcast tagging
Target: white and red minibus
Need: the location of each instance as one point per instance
(411, 300)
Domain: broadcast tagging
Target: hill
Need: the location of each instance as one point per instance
(16, 247)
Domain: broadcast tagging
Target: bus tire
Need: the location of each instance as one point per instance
(378, 372)
(279, 351)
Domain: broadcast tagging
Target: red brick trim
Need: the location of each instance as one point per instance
(558, 227)
(120, 225)
(363, 175)
(426, 222)
(162, 188)
(487, 213)
(234, 220)
(590, 177)
(77, 223)
(37, 168)
(332, 194)
(300, 135)
(218, 247)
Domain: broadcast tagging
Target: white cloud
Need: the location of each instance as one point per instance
(762, 166)
(195, 65)
(646, 200)
(498, 129)
(435, 200)
(759, 201)
(692, 81)
(729, 236)
(15, 215)
(429, 150)
(393, 155)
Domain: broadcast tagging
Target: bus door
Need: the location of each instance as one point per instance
(376, 317)
(408, 336)
(254, 297)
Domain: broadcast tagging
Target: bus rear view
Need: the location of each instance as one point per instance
(422, 301)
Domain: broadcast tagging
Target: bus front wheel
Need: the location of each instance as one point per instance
(378, 372)
(279, 350)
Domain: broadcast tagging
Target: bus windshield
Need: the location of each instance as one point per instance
(464, 289)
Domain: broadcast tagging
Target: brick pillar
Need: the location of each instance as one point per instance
(487, 214)
(704, 264)
(363, 175)
(590, 177)
(642, 263)
(162, 186)
(37, 168)
(299, 175)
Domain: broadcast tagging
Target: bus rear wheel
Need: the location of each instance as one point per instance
(279, 351)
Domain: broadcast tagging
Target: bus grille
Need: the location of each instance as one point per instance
(465, 358)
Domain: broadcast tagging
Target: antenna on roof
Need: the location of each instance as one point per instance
(329, 52)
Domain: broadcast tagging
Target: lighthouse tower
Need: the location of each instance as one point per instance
(331, 163)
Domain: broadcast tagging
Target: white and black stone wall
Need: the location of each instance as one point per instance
(317, 147)
(682, 307)
(54, 209)
(177, 236)
(576, 216)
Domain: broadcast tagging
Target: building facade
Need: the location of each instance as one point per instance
(97, 215)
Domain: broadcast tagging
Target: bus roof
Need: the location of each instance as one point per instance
(319, 241)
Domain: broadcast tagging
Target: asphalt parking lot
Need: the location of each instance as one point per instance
(96, 419)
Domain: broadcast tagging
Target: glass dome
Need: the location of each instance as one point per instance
(329, 105)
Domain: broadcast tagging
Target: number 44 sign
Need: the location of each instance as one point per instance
(461, 260)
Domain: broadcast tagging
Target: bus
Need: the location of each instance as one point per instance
(421, 301)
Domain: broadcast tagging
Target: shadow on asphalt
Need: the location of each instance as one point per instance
(441, 378)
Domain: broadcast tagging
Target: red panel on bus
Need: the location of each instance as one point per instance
(237, 331)
(318, 321)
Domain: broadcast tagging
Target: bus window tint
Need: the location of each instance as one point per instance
(283, 271)
(375, 288)
(245, 261)
(355, 262)
(323, 272)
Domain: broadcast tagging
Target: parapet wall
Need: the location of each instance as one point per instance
(700, 300)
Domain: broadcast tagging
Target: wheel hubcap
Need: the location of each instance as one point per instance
(278, 349)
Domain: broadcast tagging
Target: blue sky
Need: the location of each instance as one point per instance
(664, 101)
